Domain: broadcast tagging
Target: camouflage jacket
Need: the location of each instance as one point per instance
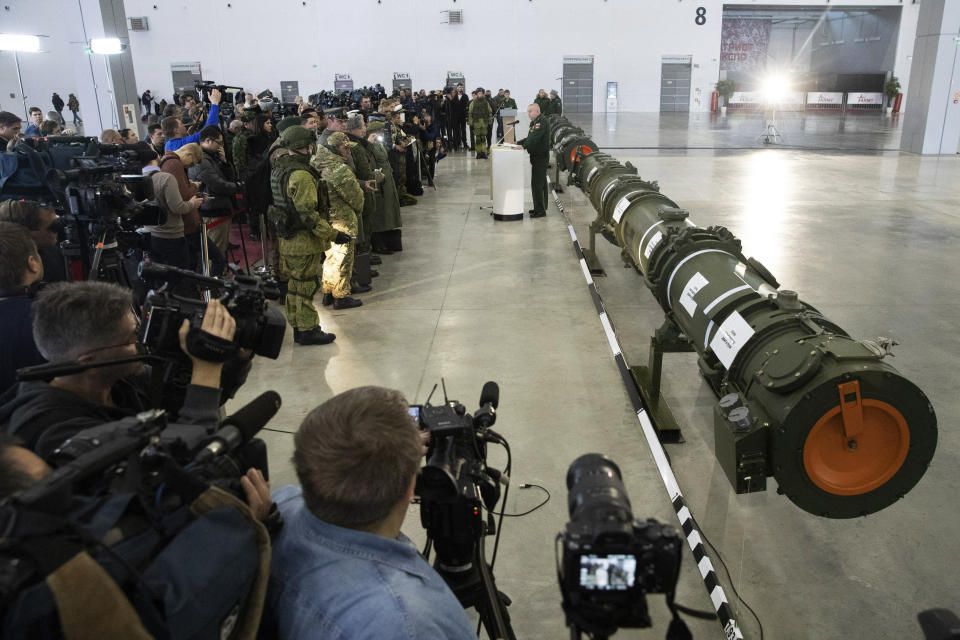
(479, 113)
(346, 195)
(300, 191)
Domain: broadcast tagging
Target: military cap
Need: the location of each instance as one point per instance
(336, 113)
(337, 139)
(297, 137)
(375, 125)
(287, 122)
(249, 115)
(354, 122)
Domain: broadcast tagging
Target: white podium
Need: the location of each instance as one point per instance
(509, 181)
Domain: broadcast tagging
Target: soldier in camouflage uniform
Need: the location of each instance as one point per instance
(480, 117)
(301, 214)
(346, 202)
(400, 143)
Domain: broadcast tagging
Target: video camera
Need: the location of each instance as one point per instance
(227, 95)
(456, 485)
(151, 509)
(97, 189)
(610, 560)
(260, 325)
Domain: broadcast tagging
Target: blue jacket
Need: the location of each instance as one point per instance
(212, 119)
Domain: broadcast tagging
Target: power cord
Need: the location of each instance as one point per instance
(729, 577)
(526, 485)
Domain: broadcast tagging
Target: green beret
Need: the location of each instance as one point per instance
(289, 121)
(296, 137)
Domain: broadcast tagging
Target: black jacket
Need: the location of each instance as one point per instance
(216, 178)
(16, 344)
(459, 106)
(44, 416)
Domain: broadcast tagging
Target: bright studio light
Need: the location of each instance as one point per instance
(775, 88)
(18, 42)
(106, 45)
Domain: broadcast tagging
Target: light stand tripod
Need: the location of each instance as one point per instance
(771, 135)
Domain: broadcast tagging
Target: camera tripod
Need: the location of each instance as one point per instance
(107, 263)
(474, 586)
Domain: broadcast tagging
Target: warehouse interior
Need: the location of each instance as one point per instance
(844, 188)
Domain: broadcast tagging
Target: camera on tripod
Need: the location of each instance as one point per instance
(260, 325)
(455, 487)
(609, 559)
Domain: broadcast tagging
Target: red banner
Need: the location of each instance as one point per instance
(743, 44)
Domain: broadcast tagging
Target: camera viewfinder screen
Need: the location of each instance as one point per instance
(414, 413)
(614, 572)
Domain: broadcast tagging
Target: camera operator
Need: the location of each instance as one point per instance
(341, 568)
(90, 322)
(20, 270)
(214, 174)
(44, 225)
(430, 134)
(176, 132)
(9, 129)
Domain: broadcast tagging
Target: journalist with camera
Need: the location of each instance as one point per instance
(341, 568)
(90, 322)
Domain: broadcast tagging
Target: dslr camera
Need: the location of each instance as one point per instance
(260, 325)
(611, 560)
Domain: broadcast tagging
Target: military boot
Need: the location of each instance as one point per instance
(313, 336)
(346, 303)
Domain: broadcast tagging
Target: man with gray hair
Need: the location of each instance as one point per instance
(91, 322)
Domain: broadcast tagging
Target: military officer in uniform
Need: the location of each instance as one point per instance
(363, 166)
(556, 104)
(537, 144)
(301, 214)
(480, 116)
(346, 203)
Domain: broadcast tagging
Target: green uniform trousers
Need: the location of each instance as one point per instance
(338, 264)
(302, 286)
(538, 181)
(480, 139)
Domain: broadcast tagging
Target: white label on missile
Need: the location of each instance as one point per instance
(731, 335)
(654, 241)
(694, 285)
(620, 208)
(740, 269)
(590, 175)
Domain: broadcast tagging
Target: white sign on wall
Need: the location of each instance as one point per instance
(820, 97)
(670, 59)
(577, 59)
(746, 97)
(864, 98)
(191, 67)
(342, 77)
(401, 76)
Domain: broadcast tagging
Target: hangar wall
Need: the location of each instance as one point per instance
(517, 44)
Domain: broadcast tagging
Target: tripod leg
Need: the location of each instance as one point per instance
(492, 609)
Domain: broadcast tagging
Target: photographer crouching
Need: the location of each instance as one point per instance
(91, 322)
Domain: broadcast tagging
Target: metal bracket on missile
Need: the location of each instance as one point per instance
(556, 174)
(666, 339)
(590, 253)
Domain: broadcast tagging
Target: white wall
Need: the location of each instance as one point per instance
(517, 44)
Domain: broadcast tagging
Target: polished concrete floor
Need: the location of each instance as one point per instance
(869, 238)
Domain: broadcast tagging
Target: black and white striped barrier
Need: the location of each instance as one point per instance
(717, 595)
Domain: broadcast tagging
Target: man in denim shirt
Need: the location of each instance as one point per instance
(341, 568)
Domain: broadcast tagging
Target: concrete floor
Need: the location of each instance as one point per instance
(866, 237)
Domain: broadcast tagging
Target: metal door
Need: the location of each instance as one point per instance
(675, 87)
(577, 92)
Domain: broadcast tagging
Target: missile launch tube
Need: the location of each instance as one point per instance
(841, 430)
